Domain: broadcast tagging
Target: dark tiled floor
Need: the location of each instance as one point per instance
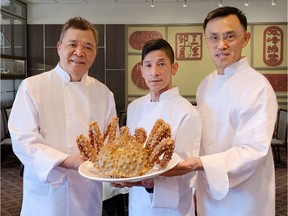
(11, 186)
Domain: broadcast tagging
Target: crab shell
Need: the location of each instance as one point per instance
(127, 155)
(118, 160)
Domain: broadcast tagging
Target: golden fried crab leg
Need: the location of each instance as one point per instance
(110, 130)
(86, 149)
(125, 135)
(140, 135)
(159, 131)
(95, 136)
(162, 153)
(90, 148)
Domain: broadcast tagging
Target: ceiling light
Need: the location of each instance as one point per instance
(152, 4)
(246, 3)
(185, 4)
(273, 2)
(220, 3)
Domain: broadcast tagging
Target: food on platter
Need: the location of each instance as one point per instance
(127, 155)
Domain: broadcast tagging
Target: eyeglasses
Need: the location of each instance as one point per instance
(229, 37)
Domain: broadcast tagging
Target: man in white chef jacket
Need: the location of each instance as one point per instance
(50, 110)
(238, 108)
(162, 196)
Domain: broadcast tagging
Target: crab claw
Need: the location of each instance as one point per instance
(95, 137)
(162, 153)
(160, 131)
(110, 130)
(86, 149)
(140, 135)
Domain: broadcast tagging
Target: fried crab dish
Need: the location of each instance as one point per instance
(127, 155)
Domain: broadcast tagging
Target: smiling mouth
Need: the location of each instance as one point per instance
(221, 54)
(154, 81)
(77, 61)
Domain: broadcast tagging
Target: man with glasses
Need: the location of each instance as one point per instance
(238, 108)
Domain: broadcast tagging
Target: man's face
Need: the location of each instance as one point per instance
(77, 52)
(157, 71)
(225, 51)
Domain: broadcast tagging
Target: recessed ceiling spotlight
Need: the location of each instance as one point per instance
(220, 3)
(246, 3)
(185, 4)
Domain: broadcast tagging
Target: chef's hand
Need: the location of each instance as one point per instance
(184, 167)
(73, 162)
(147, 183)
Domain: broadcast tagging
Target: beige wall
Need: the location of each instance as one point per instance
(191, 72)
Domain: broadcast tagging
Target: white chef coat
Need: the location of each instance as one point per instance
(238, 112)
(48, 113)
(172, 195)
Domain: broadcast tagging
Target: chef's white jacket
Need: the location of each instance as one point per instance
(172, 195)
(48, 113)
(238, 112)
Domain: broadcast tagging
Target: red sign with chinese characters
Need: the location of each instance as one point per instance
(278, 81)
(188, 46)
(273, 46)
(138, 38)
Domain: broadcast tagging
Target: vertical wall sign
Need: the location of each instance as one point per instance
(188, 46)
(273, 46)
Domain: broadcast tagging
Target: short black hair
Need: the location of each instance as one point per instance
(223, 12)
(158, 44)
(81, 24)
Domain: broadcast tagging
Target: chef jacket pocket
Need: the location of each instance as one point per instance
(33, 185)
(57, 177)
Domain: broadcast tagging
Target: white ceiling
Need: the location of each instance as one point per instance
(140, 12)
(125, 1)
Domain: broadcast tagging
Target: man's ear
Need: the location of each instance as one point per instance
(246, 39)
(58, 46)
(175, 66)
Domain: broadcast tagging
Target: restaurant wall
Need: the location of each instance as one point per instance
(117, 58)
(168, 17)
(113, 66)
(266, 52)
